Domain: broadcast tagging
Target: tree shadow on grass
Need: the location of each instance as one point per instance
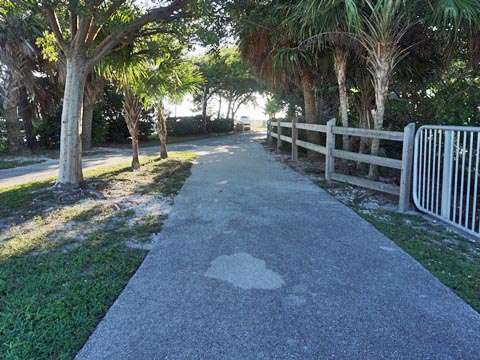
(21, 203)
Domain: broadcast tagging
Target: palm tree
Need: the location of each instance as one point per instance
(379, 28)
(173, 78)
(299, 61)
(94, 87)
(17, 56)
(383, 26)
(334, 19)
(270, 47)
(146, 74)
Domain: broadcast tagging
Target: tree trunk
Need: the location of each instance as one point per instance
(70, 173)
(320, 109)
(219, 113)
(88, 105)
(340, 63)
(363, 124)
(10, 106)
(14, 129)
(235, 108)
(28, 115)
(229, 108)
(381, 79)
(135, 158)
(204, 108)
(310, 113)
(132, 109)
(87, 120)
(162, 131)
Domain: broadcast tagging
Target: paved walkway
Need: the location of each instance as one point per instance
(257, 262)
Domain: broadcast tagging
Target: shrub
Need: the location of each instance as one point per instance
(220, 126)
(193, 125)
(184, 126)
(48, 130)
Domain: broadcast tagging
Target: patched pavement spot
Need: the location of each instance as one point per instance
(244, 271)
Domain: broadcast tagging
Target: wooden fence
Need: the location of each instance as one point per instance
(405, 165)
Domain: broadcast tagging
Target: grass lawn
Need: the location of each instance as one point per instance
(65, 257)
(452, 258)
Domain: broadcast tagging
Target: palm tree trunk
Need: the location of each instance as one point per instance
(28, 115)
(135, 158)
(10, 106)
(70, 173)
(14, 129)
(88, 105)
(381, 78)
(310, 113)
(162, 131)
(363, 124)
(132, 109)
(340, 63)
(320, 108)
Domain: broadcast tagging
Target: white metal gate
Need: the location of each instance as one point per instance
(445, 174)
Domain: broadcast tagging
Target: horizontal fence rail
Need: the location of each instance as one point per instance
(445, 174)
(405, 164)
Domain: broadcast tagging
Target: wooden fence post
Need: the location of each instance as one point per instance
(329, 159)
(279, 134)
(407, 162)
(294, 140)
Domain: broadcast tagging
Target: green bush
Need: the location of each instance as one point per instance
(184, 126)
(99, 129)
(220, 126)
(193, 125)
(108, 124)
(455, 101)
(48, 131)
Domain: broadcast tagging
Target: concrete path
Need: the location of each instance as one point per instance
(257, 262)
(49, 168)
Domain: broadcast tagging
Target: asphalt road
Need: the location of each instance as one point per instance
(49, 168)
(257, 262)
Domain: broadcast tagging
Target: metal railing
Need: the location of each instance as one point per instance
(445, 174)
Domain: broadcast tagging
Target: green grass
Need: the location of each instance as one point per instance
(64, 262)
(10, 164)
